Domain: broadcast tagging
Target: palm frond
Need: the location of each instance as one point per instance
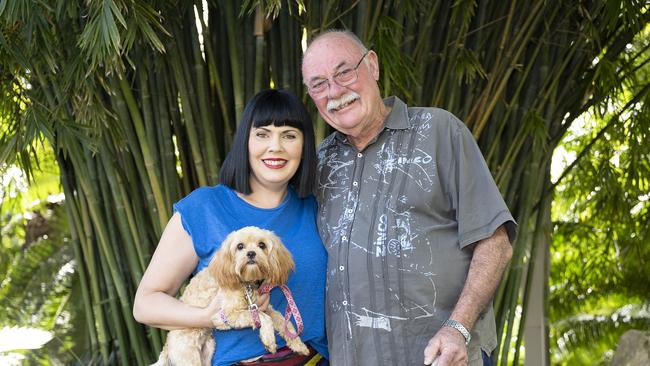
(588, 338)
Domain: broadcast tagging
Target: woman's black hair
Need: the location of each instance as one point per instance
(280, 108)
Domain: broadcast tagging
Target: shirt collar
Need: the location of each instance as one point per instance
(397, 119)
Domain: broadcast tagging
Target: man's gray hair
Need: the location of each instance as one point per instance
(340, 32)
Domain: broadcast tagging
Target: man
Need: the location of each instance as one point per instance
(416, 230)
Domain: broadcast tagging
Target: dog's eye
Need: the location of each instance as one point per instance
(262, 245)
(240, 246)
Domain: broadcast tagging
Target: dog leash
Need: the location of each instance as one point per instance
(292, 309)
(252, 306)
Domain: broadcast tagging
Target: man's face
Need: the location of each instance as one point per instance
(352, 108)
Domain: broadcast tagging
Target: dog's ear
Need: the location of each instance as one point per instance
(222, 266)
(280, 262)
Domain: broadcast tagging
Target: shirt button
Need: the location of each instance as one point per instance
(344, 238)
(359, 155)
(341, 268)
(345, 303)
(355, 184)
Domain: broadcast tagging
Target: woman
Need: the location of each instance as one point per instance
(266, 181)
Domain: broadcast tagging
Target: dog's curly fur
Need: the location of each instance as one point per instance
(248, 255)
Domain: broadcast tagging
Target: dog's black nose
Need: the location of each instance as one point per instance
(251, 254)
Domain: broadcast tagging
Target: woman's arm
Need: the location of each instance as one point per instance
(171, 264)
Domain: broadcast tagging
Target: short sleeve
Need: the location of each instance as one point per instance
(184, 207)
(197, 215)
(479, 206)
(179, 208)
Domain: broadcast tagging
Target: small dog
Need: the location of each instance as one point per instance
(246, 259)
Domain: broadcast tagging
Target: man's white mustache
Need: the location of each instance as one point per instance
(344, 99)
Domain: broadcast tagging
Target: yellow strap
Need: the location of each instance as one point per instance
(314, 360)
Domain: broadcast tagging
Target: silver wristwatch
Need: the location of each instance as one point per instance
(459, 327)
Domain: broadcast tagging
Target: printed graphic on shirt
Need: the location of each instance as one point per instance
(379, 204)
(367, 318)
(401, 242)
(417, 165)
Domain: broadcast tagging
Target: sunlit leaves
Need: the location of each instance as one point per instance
(37, 280)
(599, 265)
(586, 338)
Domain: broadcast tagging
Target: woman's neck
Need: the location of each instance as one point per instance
(263, 197)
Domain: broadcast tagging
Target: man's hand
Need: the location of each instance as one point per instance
(489, 260)
(446, 348)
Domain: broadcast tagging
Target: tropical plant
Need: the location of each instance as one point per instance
(600, 212)
(139, 100)
(37, 286)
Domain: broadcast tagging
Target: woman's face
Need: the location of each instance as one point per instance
(274, 155)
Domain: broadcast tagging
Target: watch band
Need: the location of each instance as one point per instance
(459, 327)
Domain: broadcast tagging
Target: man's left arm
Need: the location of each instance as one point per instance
(489, 260)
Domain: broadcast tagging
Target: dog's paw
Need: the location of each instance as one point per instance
(267, 335)
(297, 346)
(268, 340)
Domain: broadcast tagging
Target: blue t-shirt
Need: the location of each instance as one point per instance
(209, 214)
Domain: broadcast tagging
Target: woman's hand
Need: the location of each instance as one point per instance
(210, 311)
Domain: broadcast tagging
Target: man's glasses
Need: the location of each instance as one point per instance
(318, 87)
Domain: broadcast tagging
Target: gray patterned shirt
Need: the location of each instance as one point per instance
(397, 219)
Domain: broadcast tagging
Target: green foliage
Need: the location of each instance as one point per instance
(590, 337)
(271, 8)
(38, 286)
(37, 282)
(600, 262)
(139, 107)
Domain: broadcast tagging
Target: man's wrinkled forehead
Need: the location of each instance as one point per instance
(328, 53)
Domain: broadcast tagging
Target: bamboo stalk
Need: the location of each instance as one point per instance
(136, 228)
(150, 128)
(168, 156)
(75, 225)
(539, 238)
(187, 172)
(149, 164)
(202, 95)
(216, 85)
(120, 203)
(440, 77)
(103, 335)
(247, 63)
(233, 52)
(120, 107)
(192, 133)
(116, 323)
(94, 208)
(529, 26)
(259, 47)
